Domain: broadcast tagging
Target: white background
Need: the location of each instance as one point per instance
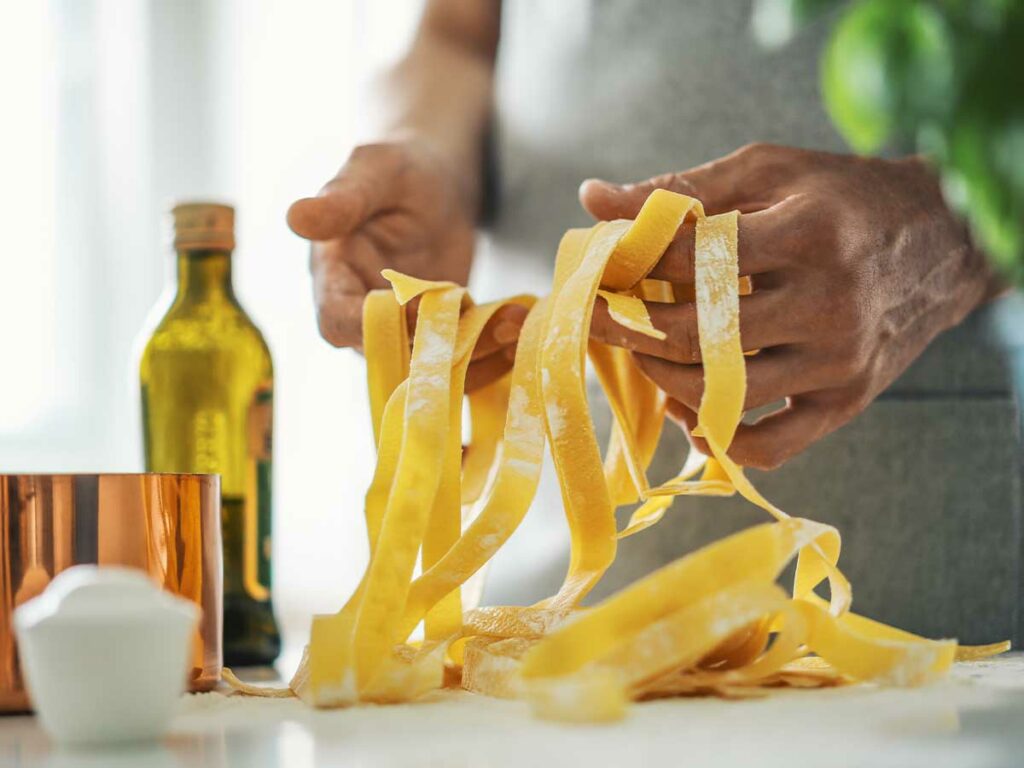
(113, 109)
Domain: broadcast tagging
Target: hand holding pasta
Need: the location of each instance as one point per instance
(856, 263)
(394, 206)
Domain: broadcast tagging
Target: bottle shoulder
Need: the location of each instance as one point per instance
(206, 327)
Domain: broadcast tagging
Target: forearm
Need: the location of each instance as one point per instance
(440, 92)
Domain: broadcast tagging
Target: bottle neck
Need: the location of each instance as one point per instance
(204, 275)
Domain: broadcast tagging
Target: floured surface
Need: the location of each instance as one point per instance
(973, 718)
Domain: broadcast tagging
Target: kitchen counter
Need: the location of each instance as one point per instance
(973, 718)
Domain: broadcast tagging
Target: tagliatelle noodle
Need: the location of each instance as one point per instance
(487, 409)
(713, 621)
(385, 330)
(445, 523)
(509, 496)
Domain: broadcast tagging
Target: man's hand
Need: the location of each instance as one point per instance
(857, 265)
(398, 206)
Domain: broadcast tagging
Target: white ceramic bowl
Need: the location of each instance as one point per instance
(105, 654)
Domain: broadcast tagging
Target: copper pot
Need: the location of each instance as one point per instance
(166, 525)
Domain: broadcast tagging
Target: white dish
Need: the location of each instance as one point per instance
(105, 654)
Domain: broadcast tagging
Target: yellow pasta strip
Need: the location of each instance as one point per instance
(570, 430)
(718, 318)
(606, 362)
(406, 287)
(386, 333)
(894, 662)
(325, 676)
(417, 478)
(518, 471)
(445, 523)
(647, 514)
(656, 225)
(487, 408)
(630, 312)
(757, 553)
(976, 652)
(685, 636)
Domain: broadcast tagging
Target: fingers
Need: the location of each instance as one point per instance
(766, 320)
(489, 369)
(777, 437)
(605, 200)
(750, 179)
(338, 291)
(763, 241)
(366, 185)
(772, 375)
(774, 439)
(501, 331)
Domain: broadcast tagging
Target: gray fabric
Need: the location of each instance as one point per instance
(926, 485)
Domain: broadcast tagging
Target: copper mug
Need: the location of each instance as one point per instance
(167, 525)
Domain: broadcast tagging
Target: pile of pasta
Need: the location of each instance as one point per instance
(714, 620)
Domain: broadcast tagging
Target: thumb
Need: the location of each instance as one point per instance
(605, 200)
(365, 185)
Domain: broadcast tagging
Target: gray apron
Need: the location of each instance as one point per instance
(925, 486)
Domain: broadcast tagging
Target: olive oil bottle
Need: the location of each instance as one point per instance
(207, 406)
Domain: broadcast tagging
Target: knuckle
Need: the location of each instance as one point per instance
(373, 150)
(676, 182)
(662, 181)
(755, 149)
(385, 157)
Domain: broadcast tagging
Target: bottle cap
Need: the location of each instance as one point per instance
(204, 225)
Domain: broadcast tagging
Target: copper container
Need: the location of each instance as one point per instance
(167, 525)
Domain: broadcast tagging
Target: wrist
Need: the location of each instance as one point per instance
(983, 283)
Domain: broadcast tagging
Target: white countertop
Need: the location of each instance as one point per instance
(974, 718)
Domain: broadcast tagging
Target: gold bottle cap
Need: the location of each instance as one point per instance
(204, 225)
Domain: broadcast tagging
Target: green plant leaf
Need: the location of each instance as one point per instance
(887, 69)
(855, 82)
(983, 176)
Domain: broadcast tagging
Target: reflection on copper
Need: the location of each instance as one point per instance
(166, 525)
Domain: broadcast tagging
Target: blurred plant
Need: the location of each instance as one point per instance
(943, 76)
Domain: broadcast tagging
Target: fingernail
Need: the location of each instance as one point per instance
(607, 186)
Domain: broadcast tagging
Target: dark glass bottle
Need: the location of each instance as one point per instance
(207, 406)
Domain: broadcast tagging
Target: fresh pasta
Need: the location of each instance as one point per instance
(713, 621)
